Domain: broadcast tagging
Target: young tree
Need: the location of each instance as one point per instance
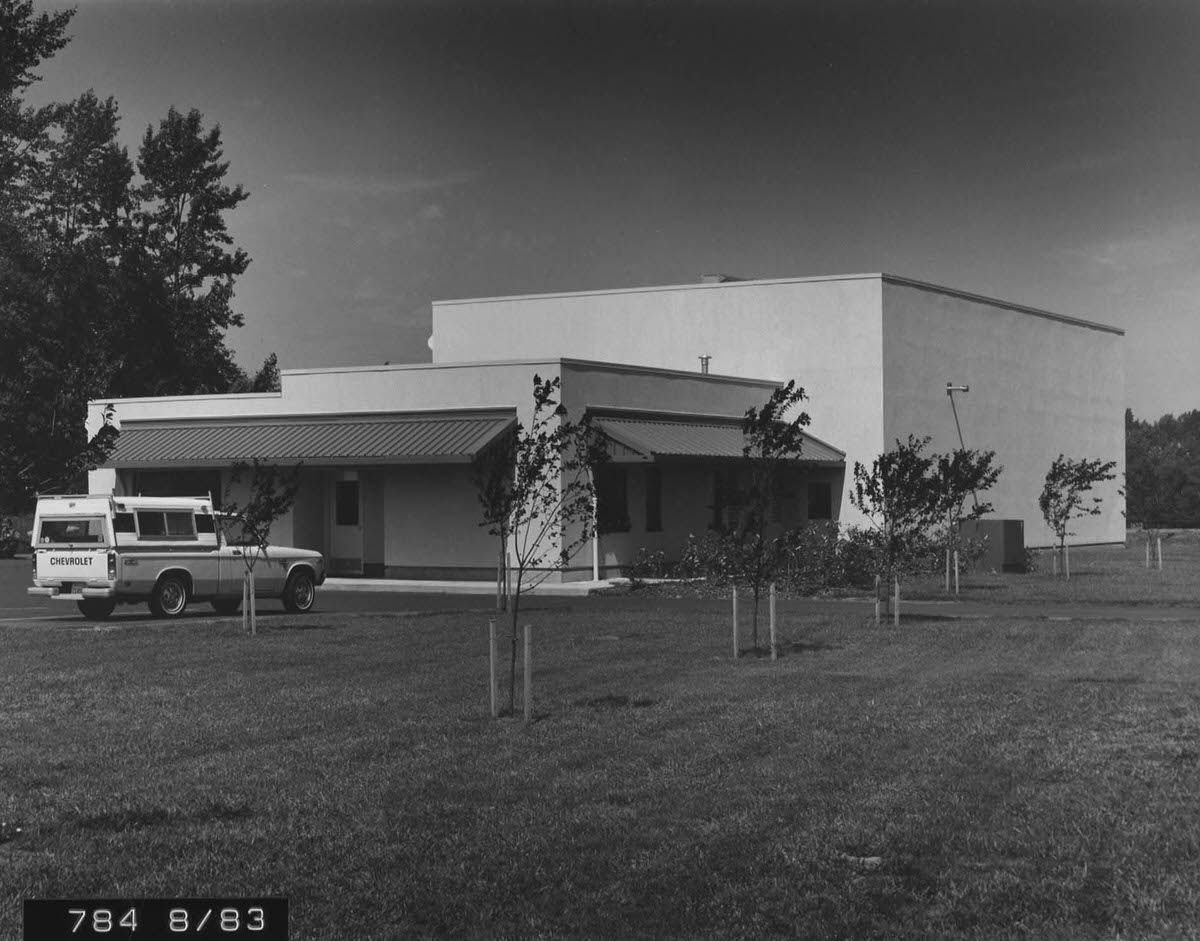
(493, 475)
(538, 496)
(1062, 500)
(898, 494)
(272, 493)
(772, 443)
(957, 475)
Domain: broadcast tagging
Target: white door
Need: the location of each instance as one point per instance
(346, 531)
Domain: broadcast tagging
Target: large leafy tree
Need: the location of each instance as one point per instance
(110, 285)
(183, 267)
(1162, 471)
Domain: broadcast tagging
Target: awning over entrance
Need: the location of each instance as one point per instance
(655, 437)
(374, 438)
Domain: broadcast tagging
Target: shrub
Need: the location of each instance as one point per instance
(648, 564)
(12, 540)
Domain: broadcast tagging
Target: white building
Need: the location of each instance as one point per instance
(386, 451)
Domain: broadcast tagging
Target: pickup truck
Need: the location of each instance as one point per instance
(103, 550)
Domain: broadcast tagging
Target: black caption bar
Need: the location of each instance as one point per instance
(265, 919)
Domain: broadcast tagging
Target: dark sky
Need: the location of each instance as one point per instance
(400, 151)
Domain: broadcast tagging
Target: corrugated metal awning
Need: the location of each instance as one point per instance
(658, 437)
(377, 438)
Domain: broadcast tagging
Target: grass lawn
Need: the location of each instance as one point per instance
(1099, 574)
(963, 779)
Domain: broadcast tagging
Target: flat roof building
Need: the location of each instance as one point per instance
(387, 481)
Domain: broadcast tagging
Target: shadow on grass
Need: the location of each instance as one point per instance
(294, 627)
(138, 817)
(808, 646)
(614, 701)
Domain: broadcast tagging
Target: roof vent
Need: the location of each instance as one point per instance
(719, 278)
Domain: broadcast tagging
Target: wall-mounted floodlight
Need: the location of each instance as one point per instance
(951, 388)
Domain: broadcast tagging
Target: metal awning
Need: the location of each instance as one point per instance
(376, 438)
(653, 438)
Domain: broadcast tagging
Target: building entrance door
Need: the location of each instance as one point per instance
(346, 531)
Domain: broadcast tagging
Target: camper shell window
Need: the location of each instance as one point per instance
(166, 524)
(78, 529)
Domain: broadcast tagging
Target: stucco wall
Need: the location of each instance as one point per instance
(1039, 386)
(432, 524)
(824, 333)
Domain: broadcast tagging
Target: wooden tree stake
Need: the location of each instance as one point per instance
(736, 650)
(493, 679)
(528, 672)
(896, 606)
(774, 646)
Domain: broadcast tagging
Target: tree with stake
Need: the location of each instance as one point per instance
(493, 474)
(1062, 498)
(538, 496)
(272, 492)
(957, 475)
(772, 443)
(899, 495)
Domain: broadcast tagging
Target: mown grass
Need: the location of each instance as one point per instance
(1099, 574)
(962, 779)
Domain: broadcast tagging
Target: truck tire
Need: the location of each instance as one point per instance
(170, 597)
(96, 609)
(300, 592)
(226, 605)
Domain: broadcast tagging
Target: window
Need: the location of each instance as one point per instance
(727, 500)
(168, 524)
(151, 524)
(180, 523)
(820, 500)
(345, 499)
(653, 500)
(204, 523)
(87, 529)
(123, 523)
(612, 499)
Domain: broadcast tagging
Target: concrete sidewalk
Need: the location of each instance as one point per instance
(446, 587)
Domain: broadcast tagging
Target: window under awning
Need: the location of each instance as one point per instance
(447, 437)
(673, 437)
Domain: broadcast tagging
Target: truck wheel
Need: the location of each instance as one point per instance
(96, 609)
(300, 592)
(226, 605)
(170, 597)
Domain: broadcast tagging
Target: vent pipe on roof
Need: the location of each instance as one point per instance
(704, 358)
(719, 278)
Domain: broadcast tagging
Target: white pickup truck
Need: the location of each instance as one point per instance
(100, 551)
